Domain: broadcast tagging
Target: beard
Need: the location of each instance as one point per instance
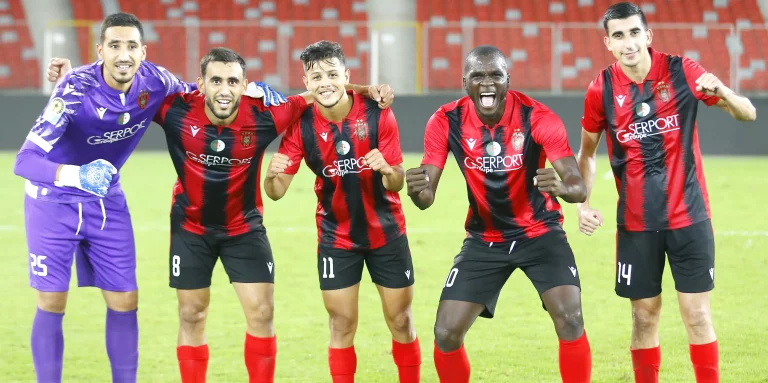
(222, 115)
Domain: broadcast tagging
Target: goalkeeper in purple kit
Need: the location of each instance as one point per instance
(74, 208)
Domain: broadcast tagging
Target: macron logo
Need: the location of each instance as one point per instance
(194, 129)
(324, 136)
(573, 271)
(101, 111)
(620, 99)
(69, 89)
(269, 265)
(712, 273)
(471, 142)
(408, 274)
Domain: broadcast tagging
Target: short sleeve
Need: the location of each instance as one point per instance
(548, 131)
(164, 107)
(389, 138)
(693, 71)
(291, 145)
(436, 140)
(171, 82)
(593, 119)
(66, 99)
(287, 113)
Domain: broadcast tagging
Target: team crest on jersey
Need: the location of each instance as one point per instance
(662, 90)
(517, 140)
(246, 138)
(361, 129)
(143, 99)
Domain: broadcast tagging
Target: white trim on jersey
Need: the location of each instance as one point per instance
(39, 141)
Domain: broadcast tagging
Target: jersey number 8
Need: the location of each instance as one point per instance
(176, 265)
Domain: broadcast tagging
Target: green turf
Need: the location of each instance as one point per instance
(519, 345)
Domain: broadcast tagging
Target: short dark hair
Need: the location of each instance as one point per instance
(223, 55)
(623, 10)
(321, 51)
(482, 51)
(121, 20)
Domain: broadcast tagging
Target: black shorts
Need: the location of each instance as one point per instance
(247, 258)
(389, 266)
(481, 269)
(640, 260)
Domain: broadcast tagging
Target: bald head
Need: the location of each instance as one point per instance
(484, 55)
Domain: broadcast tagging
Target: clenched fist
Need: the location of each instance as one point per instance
(710, 85)
(547, 181)
(383, 94)
(417, 180)
(278, 164)
(375, 160)
(57, 68)
(589, 219)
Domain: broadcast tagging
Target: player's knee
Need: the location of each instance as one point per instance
(448, 339)
(571, 322)
(122, 301)
(343, 324)
(400, 322)
(52, 302)
(192, 314)
(261, 314)
(697, 318)
(645, 318)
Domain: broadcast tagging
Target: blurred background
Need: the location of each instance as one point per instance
(554, 48)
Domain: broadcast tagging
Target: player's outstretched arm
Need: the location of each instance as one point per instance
(276, 182)
(739, 107)
(383, 94)
(589, 219)
(422, 184)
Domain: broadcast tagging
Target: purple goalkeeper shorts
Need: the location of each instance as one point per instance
(98, 233)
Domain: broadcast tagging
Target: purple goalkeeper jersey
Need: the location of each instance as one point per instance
(86, 120)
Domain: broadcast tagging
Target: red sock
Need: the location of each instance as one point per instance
(576, 360)
(646, 363)
(343, 364)
(705, 362)
(408, 360)
(260, 358)
(193, 363)
(452, 367)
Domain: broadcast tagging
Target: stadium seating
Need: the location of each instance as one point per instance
(549, 43)
(525, 30)
(249, 27)
(19, 67)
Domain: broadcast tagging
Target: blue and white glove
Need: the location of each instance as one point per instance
(261, 90)
(94, 177)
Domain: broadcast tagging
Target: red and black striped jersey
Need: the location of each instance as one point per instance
(499, 164)
(218, 190)
(653, 143)
(354, 210)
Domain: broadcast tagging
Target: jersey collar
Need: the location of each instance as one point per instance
(653, 75)
(321, 121)
(509, 107)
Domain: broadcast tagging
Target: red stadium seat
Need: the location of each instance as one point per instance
(20, 67)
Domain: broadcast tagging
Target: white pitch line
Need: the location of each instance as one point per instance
(416, 230)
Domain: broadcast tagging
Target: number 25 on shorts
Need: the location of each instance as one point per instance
(37, 266)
